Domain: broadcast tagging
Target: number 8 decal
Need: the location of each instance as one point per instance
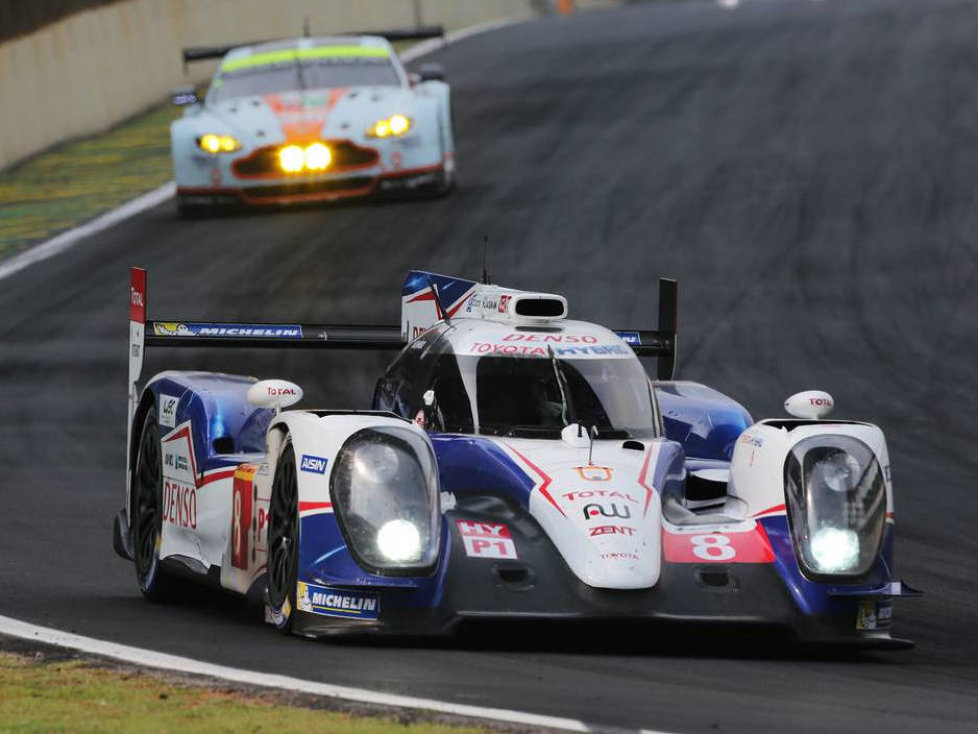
(712, 547)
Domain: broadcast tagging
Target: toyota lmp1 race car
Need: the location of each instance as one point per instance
(515, 464)
(312, 119)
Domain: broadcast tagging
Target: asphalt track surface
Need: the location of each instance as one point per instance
(807, 169)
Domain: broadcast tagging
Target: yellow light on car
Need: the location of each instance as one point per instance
(317, 157)
(399, 124)
(218, 143)
(291, 158)
(392, 126)
(210, 142)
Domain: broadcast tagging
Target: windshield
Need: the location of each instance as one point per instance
(293, 74)
(537, 397)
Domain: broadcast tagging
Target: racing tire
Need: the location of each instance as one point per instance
(283, 543)
(147, 516)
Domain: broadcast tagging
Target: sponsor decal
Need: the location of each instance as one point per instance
(337, 602)
(504, 302)
(538, 351)
(241, 331)
(313, 464)
(588, 494)
(751, 440)
(137, 295)
(179, 504)
(168, 410)
(620, 556)
(552, 338)
(630, 337)
(610, 530)
(594, 510)
(176, 461)
(486, 540)
(873, 615)
(594, 473)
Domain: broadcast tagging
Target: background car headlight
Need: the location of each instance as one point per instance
(836, 501)
(390, 127)
(384, 488)
(218, 143)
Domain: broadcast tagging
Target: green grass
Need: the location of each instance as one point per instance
(38, 696)
(76, 181)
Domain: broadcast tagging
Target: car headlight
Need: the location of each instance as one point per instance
(213, 143)
(836, 501)
(384, 488)
(390, 127)
(314, 157)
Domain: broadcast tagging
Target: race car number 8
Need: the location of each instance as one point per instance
(712, 547)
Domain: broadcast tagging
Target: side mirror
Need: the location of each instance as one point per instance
(184, 96)
(431, 72)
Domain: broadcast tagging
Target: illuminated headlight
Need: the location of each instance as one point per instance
(390, 127)
(836, 501)
(384, 488)
(317, 157)
(291, 158)
(399, 541)
(218, 143)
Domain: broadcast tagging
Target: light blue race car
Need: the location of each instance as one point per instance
(310, 120)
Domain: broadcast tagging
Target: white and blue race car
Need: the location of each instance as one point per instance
(516, 464)
(313, 119)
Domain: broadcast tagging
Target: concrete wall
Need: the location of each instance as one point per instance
(94, 69)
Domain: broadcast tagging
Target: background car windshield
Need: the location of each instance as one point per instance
(290, 76)
(529, 397)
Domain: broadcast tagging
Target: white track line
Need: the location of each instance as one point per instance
(149, 658)
(70, 238)
(66, 240)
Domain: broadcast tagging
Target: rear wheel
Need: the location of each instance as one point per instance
(283, 542)
(147, 515)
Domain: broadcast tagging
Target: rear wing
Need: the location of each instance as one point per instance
(426, 290)
(207, 53)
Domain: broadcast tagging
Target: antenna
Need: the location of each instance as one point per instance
(305, 27)
(441, 309)
(485, 261)
(592, 433)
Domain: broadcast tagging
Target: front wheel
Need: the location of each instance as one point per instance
(283, 543)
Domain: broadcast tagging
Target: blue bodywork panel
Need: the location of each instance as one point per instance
(218, 408)
(707, 423)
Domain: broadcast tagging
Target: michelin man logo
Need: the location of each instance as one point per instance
(303, 602)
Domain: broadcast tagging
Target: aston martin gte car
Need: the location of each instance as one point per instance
(515, 464)
(312, 119)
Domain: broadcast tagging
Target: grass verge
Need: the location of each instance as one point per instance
(42, 694)
(77, 181)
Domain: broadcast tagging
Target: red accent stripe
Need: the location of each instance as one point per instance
(544, 488)
(310, 506)
(770, 510)
(642, 477)
(217, 476)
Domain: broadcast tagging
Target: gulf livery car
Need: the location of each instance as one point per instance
(312, 119)
(515, 464)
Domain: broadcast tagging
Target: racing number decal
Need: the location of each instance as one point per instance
(713, 547)
(728, 546)
(241, 516)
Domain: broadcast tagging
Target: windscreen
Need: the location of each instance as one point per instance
(295, 70)
(537, 397)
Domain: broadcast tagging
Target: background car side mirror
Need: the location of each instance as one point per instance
(184, 96)
(431, 72)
